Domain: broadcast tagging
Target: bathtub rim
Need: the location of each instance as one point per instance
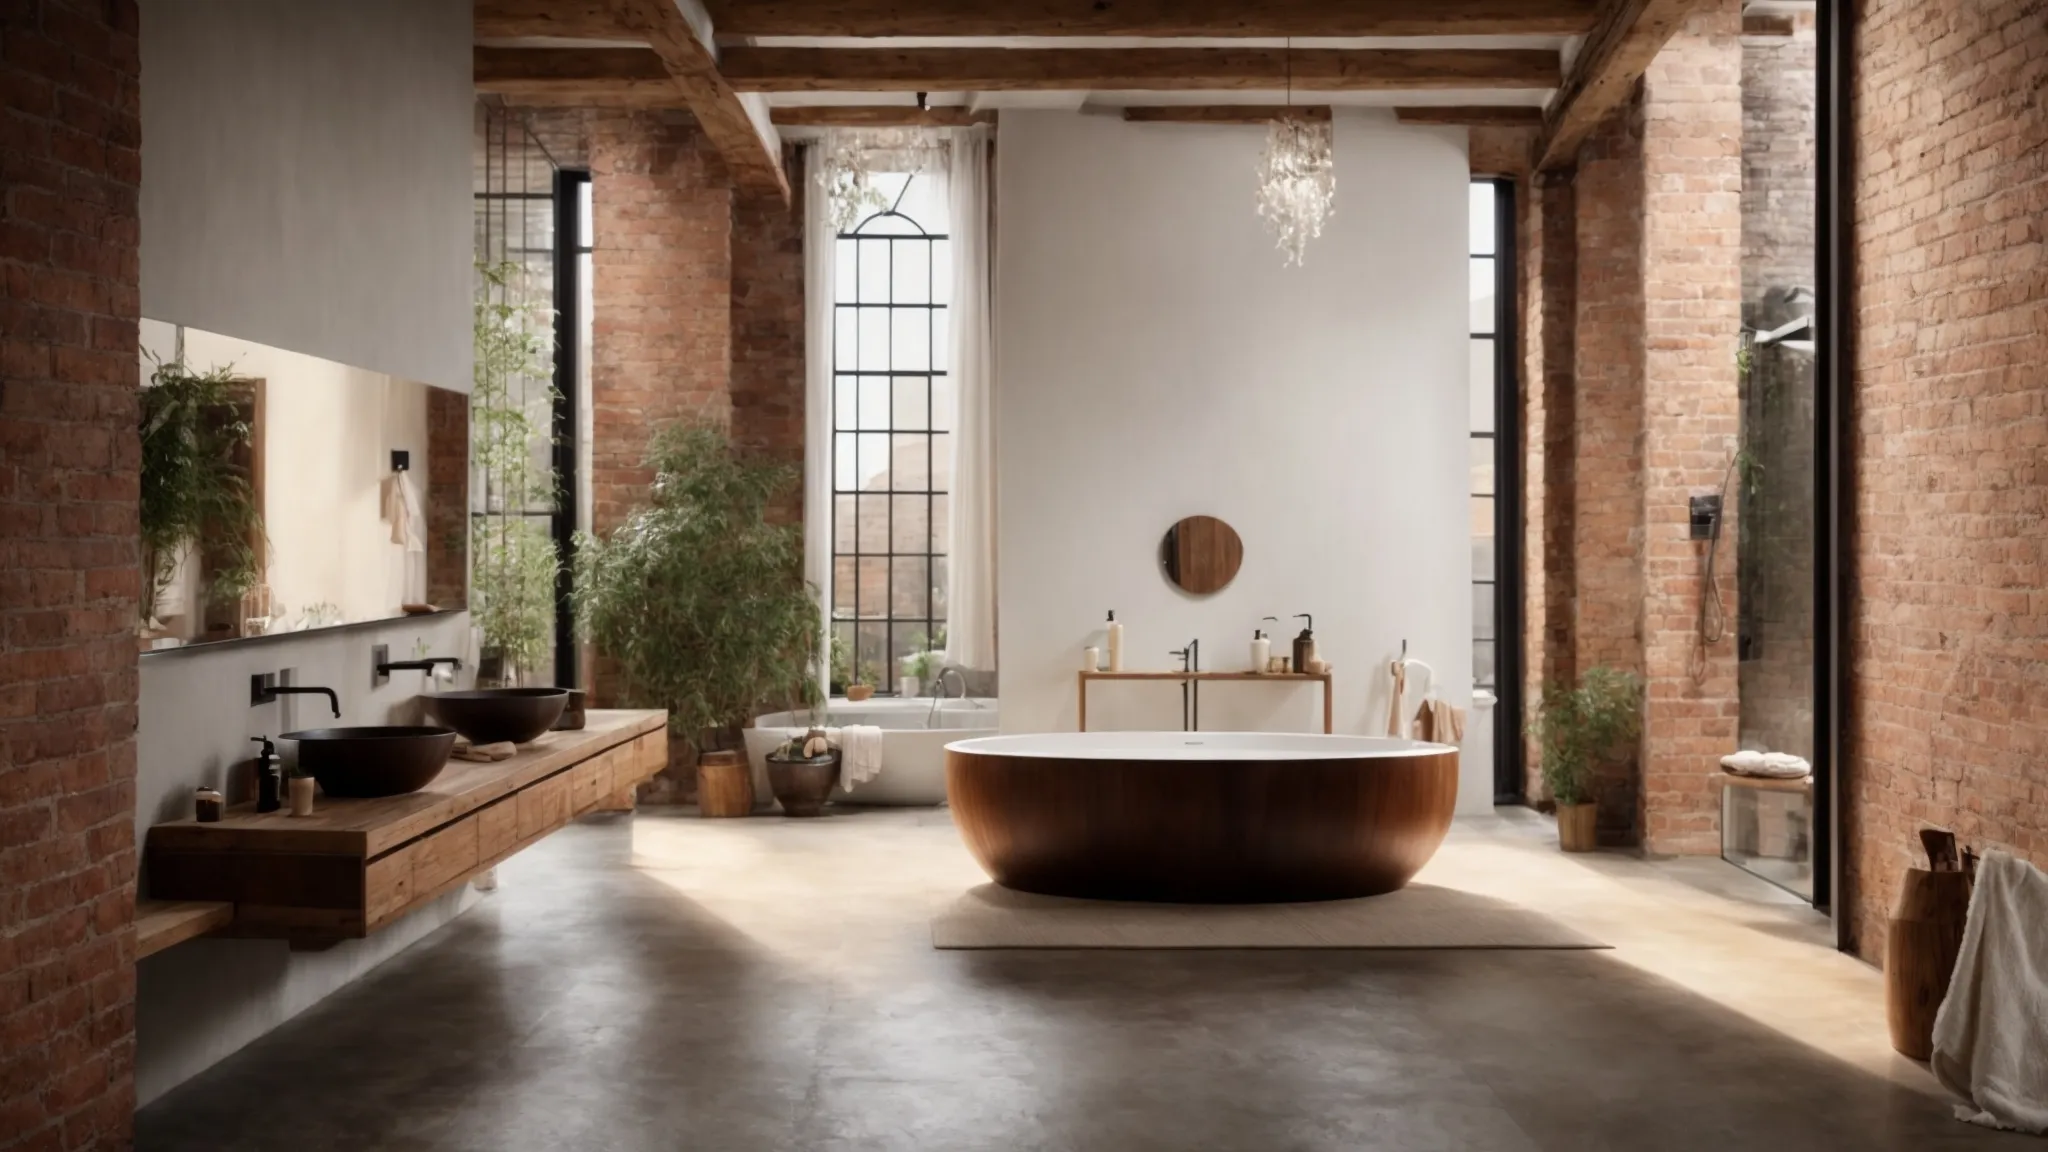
(1178, 746)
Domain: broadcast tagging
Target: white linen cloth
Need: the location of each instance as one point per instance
(1991, 1032)
(860, 754)
(970, 362)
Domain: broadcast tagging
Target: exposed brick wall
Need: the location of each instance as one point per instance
(767, 327)
(661, 294)
(69, 579)
(1549, 314)
(1692, 285)
(1949, 625)
(1607, 494)
(447, 497)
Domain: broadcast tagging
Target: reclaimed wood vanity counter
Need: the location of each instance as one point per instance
(354, 866)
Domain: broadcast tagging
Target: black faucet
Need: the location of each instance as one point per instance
(1190, 689)
(387, 667)
(264, 689)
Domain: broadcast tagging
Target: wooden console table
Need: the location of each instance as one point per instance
(1322, 678)
(356, 865)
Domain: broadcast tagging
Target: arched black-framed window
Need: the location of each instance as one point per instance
(892, 411)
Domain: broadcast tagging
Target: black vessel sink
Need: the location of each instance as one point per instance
(373, 761)
(489, 715)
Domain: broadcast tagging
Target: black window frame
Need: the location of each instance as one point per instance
(1508, 642)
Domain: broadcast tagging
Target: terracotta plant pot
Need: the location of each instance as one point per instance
(859, 692)
(725, 785)
(1575, 827)
(801, 786)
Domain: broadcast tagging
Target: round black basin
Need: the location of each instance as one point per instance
(490, 715)
(373, 761)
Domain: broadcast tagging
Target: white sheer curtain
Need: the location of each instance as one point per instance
(821, 241)
(971, 543)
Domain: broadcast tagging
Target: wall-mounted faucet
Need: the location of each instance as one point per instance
(264, 689)
(380, 658)
(1190, 690)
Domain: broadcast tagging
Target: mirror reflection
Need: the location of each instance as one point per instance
(1201, 555)
(282, 492)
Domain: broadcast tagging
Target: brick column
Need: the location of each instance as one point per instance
(1549, 309)
(1692, 316)
(1607, 490)
(69, 578)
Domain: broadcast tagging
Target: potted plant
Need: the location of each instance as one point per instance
(803, 770)
(698, 597)
(1577, 729)
(513, 561)
(195, 485)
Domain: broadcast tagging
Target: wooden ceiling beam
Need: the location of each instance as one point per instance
(877, 116)
(564, 19)
(753, 69)
(1626, 37)
(752, 154)
(565, 74)
(1222, 113)
(1153, 18)
(1472, 116)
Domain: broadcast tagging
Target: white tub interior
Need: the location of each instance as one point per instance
(1196, 746)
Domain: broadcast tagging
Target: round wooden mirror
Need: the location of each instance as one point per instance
(1201, 555)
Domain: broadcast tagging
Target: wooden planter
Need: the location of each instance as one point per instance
(1576, 827)
(1925, 933)
(725, 785)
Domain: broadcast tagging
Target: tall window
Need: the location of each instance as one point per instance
(891, 413)
(1485, 354)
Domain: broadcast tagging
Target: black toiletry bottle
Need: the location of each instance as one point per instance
(1305, 644)
(269, 776)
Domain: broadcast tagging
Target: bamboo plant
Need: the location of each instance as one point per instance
(698, 597)
(513, 561)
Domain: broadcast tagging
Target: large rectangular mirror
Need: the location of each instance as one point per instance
(282, 492)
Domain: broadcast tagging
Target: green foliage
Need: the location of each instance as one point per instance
(512, 560)
(698, 597)
(192, 488)
(1579, 727)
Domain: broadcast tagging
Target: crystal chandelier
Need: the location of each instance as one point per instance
(846, 172)
(1297, 176)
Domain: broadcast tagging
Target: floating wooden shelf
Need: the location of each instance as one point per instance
(356, 865)
(162, 923)
(1322, 678)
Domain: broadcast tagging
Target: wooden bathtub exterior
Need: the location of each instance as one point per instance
(1203, 831)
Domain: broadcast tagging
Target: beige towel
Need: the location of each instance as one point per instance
(483, 753)
(1990, 1035)
(1440, 722)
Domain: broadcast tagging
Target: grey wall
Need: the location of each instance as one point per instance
(306, 166)
(199, 1002)
(306, 177)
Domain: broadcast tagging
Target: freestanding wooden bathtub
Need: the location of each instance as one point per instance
(1201, 817)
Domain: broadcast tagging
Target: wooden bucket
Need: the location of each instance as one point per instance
(1925, 933)
(1578, 827)
(725, 785)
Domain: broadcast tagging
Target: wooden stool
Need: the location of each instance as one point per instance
(725, 785)
(1920, 949)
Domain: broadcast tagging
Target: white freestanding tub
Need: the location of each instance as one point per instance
(913, 753)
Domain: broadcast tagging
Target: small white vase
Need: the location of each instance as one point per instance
(907, 686)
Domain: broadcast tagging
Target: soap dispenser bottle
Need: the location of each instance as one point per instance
(269, 776)
(1262, 649)
(1116, 643)
(1305, 644)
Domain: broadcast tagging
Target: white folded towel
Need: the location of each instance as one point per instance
(1778, 765)
(1991, 1033)
(860, 754)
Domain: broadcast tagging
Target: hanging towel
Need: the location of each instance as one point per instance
(400, 502)
(860, 754)
(1400, 670)
(1991, 1033)
(1440, 722)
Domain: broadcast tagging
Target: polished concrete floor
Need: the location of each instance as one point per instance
(662, 982)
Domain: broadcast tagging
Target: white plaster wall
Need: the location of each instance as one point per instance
(1156, 360)
(199, 1002)
(306, 177)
